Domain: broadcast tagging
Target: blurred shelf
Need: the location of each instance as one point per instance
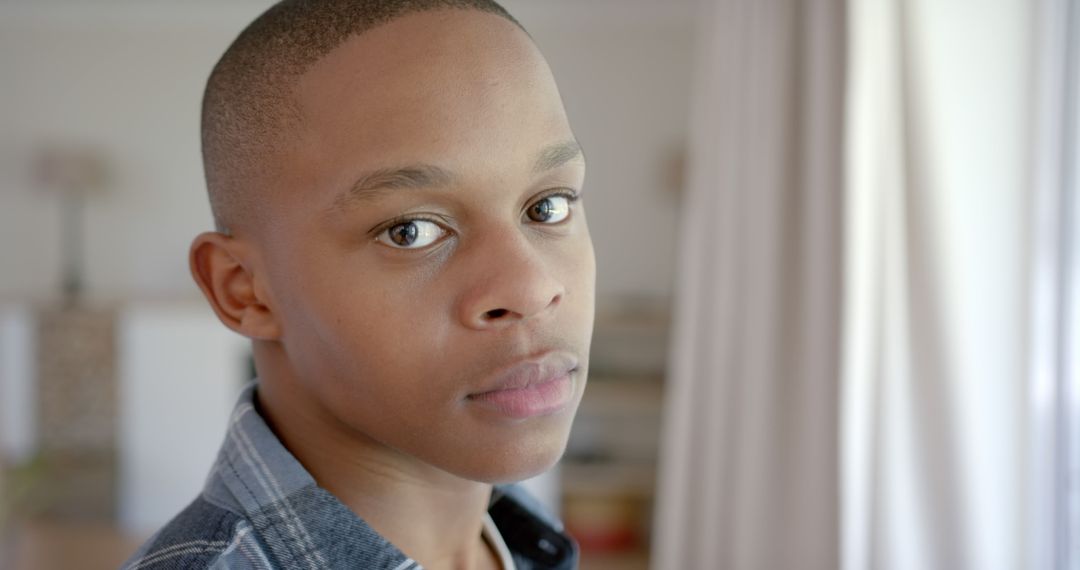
(638, 560)
(609, 470)
(619, 420)
(604, 479)
(46, 544)
(630, 336)
(637, 396)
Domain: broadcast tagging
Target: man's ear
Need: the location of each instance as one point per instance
(217, 263)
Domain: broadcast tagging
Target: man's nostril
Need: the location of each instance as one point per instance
(496, 313)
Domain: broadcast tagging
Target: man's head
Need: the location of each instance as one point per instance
(405, 247)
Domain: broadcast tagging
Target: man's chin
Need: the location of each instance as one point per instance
(512, 465)
(523, 474)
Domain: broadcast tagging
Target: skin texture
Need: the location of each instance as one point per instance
(367, 354)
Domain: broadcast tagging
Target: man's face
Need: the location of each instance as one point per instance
(426, 240)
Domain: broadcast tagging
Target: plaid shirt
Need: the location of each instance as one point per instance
(260, 509)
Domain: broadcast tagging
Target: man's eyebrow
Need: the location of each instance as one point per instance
(380, 181)
(374, 183)
(557, 155)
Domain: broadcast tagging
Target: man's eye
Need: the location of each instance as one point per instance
(550, 210)
(413, 234)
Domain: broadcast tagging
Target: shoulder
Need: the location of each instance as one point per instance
(203, 535)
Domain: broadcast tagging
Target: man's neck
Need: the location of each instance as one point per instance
(432, 516)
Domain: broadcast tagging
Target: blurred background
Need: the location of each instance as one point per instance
(838, 266)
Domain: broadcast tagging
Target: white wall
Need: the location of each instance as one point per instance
(18, 414)
(127, 81)
(180, 374)
(127, 77)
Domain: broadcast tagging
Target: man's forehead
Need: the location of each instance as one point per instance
(424, 47)
(405, 76)
(476, 104)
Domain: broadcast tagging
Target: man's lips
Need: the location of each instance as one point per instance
(532, 387)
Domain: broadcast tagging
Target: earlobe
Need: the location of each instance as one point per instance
(218, 266)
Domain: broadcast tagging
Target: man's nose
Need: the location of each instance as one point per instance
(509, 281)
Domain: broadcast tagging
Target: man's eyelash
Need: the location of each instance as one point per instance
(404, 220)
(570, 195)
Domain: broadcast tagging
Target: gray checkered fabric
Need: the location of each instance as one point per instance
(260, 509)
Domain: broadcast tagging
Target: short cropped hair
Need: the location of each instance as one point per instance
(248, 105)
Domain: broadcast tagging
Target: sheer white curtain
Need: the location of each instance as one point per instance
(856, 353)
(749, 474)
(936, 291)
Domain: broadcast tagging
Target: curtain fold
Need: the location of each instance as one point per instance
(750, 454)
(1053, 507)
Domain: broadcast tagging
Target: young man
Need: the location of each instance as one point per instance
(396, 191)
